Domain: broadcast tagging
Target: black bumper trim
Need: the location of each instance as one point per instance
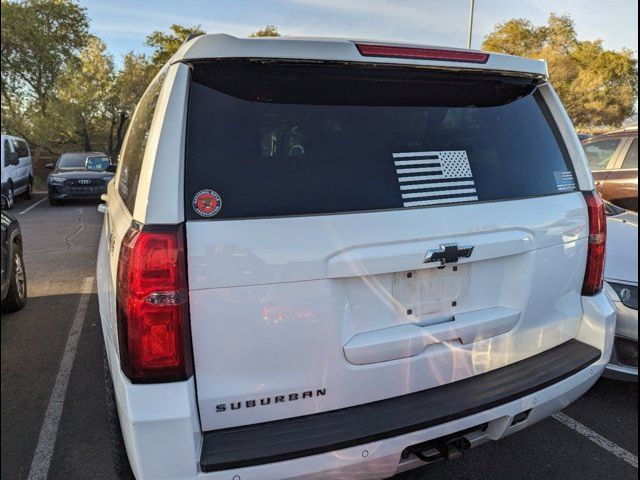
(333, 430)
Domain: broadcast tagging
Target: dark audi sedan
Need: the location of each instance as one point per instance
(79, 176)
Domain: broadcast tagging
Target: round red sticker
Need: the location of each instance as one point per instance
(207, 203)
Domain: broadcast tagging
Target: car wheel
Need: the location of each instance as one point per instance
(9, 199)
(17, 295)
(28, 194)
(121, 464)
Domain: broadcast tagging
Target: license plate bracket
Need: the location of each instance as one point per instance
(430, 293)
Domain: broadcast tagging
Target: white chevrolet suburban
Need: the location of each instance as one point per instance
(337, 259)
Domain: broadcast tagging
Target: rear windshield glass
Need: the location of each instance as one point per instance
(274, 139)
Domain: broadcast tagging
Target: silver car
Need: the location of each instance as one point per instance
(621, 284)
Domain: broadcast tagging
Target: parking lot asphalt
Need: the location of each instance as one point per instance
(60, 245)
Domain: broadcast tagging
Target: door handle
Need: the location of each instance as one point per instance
(411, 339)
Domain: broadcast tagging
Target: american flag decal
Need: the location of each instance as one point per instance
(434, 178)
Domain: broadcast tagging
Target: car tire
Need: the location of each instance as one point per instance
(17, 294)
(9, 197)
(121, 464)
(28, 194)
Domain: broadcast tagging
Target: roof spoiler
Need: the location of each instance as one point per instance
(191, 36)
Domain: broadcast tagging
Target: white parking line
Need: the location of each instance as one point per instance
(599, 440)
(49, 430)
(32, 206)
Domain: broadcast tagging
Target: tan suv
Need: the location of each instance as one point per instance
(613, 159)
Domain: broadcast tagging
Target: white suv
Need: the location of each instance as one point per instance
(339, 259)
(17, 170)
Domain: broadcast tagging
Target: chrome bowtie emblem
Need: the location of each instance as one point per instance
(448, 253)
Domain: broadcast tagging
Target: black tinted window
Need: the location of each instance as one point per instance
(631, 160)
(293, 140)
(600, 152)
(133, 150)
(72, 160)
(7, 151)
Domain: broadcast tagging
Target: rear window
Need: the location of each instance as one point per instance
(276, 139)
(631, 160)
(600, 152)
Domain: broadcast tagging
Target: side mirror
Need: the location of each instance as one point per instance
(50, 166)
(111, 168)
(13, 158)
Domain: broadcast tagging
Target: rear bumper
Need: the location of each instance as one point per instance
(161, 429)
(339, 429)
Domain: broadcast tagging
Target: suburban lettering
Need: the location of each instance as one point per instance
(290, 397)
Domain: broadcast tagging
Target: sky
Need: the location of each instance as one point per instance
(124, 24)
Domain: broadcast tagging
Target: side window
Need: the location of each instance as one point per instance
(631, 160)
(133, 150)
(21, 148)
(6, 149)
(600, 152)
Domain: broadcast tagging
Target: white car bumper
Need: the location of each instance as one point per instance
(161, 429)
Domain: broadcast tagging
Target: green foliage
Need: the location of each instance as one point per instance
(83, 92)
(166, 44)
(597, 86)
(60, 89)
(38, 38)
(268, 31)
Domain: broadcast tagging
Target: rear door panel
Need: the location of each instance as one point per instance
(274, 302)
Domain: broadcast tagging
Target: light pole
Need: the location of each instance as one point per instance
(471, 2)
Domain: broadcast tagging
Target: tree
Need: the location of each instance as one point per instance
(96, 102)
(128, 86)
(268, 31)
(84, 90)
(515, 37)
(597, 86)
(38, 38)
(166, 44)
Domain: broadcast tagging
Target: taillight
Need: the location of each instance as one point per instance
(372, 50)
(594, 274)
(152, 305)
